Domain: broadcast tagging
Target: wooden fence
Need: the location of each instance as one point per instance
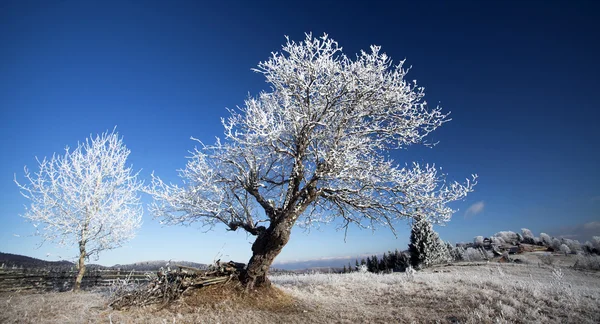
(62, 280)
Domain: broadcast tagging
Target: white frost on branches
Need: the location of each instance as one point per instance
(316, 148)
(86, 196)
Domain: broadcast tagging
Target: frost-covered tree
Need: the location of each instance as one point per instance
(316, 148)
(87, 197)
(519, 238)
(426, 248)
(556, 243)
(596, 242)
(574, 245)
(565, 249)
(497, 241)
(478, 241)
(507, 237)
(546, 239)
(528, 236)
(456, 252)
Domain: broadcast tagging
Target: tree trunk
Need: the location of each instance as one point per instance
(264, 250)
(81, 267)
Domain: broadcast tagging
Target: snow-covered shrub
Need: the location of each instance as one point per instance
(475, 254)
(587, 262)
(565, 249)
(362, 268)
(546, 259)
(457, 253)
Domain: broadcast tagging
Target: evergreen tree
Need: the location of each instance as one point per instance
(374, 264)
(425, 246)
(344, 270)
(369, 264)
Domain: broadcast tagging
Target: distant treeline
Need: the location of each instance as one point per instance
(391, 261)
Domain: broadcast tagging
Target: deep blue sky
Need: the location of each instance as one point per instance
(521, 79)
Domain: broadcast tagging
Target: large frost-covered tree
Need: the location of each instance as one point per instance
(313, 149)
(87, 197)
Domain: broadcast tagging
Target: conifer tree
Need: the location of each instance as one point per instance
(425, 246)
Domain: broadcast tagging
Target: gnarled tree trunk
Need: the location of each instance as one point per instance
(80, 266)
(265, 248)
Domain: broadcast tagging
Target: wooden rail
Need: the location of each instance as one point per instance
(62, 280)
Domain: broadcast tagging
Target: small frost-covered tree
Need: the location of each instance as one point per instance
(528, 236)
(565, 249)
(556, 243)
(478, 241)
(87, 197)
(507, 237)
(456, 252)
(426, 248)
(316, 148)
(546, 239)
(574, 245)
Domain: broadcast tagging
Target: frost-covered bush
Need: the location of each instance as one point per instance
(565, 249)
(362, 268)
(587, 262)
(546, 259)
(456, 252)
(476, 254)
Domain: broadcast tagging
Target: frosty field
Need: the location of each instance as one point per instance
(460, 293)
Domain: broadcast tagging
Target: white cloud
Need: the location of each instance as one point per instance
(474, 209)
(592, 226)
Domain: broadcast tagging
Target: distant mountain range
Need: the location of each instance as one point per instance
(15, 260)
(322, 264)
(325, 264)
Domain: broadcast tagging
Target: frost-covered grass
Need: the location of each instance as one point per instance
(462, 293)
(467, 294)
